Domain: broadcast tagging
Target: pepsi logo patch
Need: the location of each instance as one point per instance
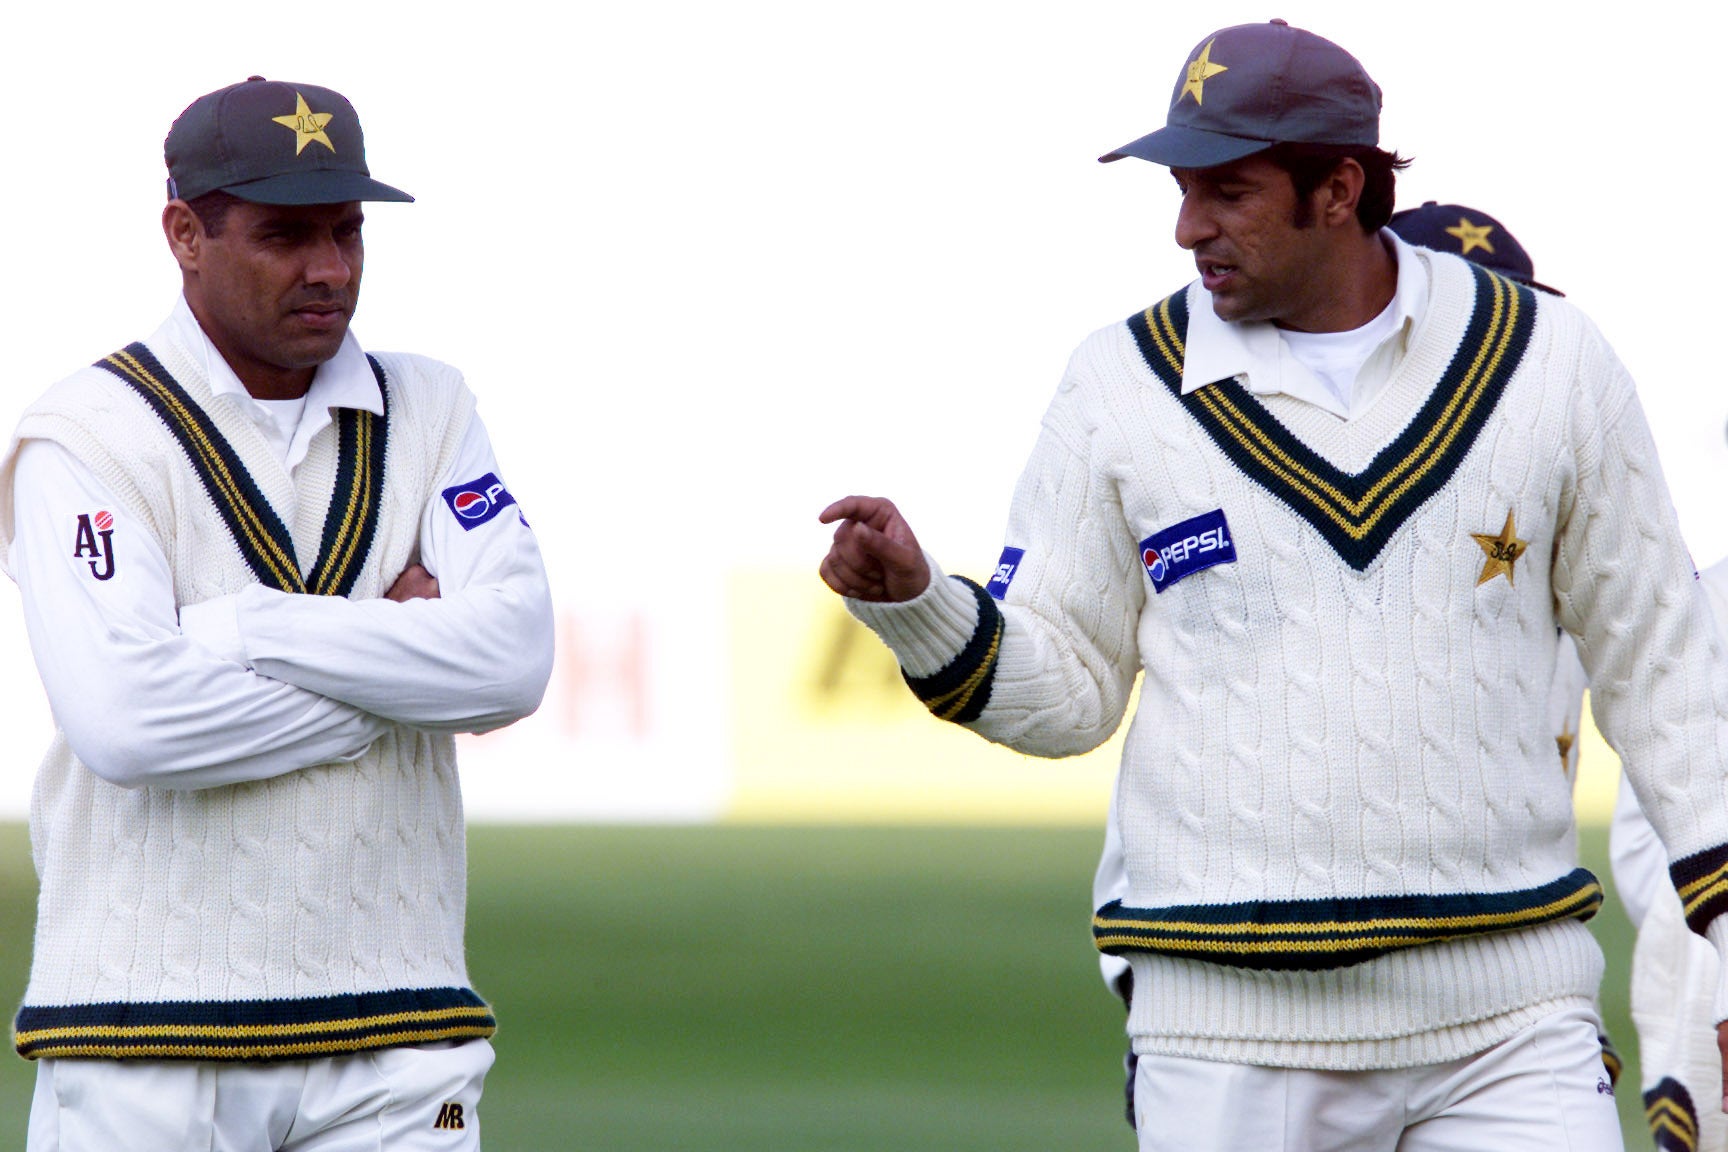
(478, 501)
(1005, 569)
(1183, 549)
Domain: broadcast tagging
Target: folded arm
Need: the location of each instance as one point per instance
(139, 701)
(473, 656)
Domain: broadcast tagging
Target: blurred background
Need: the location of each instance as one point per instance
(709, 267)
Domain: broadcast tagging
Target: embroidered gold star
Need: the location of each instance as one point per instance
(1502, 552)
(1200, 70)
(1472, 236)
(1564, 742)
(307, 125)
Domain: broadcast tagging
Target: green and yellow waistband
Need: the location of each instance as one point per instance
(252, 1029)
(1316, 934)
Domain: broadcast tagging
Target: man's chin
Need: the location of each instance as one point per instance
(310, 349)
(1228, 310)
(1238, 308)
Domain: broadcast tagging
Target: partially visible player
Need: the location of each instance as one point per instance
(1675, 972)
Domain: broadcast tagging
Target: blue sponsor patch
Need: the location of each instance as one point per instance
(478, 501)
(1005, 569)
(1186, 548)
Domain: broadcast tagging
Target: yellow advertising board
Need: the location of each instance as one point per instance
(825, 730)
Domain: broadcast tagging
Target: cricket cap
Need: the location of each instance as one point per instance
(272, 142)
(1249, 87)
(1471, 234)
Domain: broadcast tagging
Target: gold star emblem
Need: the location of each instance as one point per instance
(1472, 236)
(1502, 552)
(1564, 743)
(1200, 70)
(307, 125)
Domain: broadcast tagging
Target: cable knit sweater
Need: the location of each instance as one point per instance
(314, 913)
(1347, 839)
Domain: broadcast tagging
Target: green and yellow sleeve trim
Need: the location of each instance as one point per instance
(1672, 1116)
(1702, 881)
(1611, 1061)
(960, 690)
(252, 1029)
(1310, 935)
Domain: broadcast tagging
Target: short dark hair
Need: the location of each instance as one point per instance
(1310, 164)
(212, 210)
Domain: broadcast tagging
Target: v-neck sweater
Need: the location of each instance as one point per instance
(1347, 838)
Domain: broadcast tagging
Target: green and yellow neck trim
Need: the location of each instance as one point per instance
(264, 541)
(1356, 513)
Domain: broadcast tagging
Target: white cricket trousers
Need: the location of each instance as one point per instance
(394, 1100)
(1542, 1090)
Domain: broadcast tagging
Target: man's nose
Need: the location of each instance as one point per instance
(330, 263)
(1194, 221)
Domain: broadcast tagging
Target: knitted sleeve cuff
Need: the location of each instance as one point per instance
(928, 631)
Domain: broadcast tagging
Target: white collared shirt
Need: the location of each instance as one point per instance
(343, 381)
(1257, 354)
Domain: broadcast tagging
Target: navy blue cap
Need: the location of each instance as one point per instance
(1471, 234)
(1247, 88)
(272, 142)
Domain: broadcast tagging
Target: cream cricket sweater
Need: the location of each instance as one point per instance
(310, 914)
(1348, 840)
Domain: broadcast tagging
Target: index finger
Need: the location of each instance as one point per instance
(865, 508)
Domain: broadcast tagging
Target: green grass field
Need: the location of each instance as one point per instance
(788, 989)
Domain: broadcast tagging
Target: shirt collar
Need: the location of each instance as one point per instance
(1217, 349)
(343, 381)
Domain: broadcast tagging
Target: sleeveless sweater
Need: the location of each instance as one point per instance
(315, 913)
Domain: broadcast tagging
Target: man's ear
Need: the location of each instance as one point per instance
(1341, 191)
(185, 233)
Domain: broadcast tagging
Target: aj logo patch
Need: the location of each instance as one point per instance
(1005, 569)
(1183, 549)
(94, 543)
(478, 501)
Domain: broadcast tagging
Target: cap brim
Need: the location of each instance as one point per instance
(1175, 146)
(1527, 281)
(321, 186)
